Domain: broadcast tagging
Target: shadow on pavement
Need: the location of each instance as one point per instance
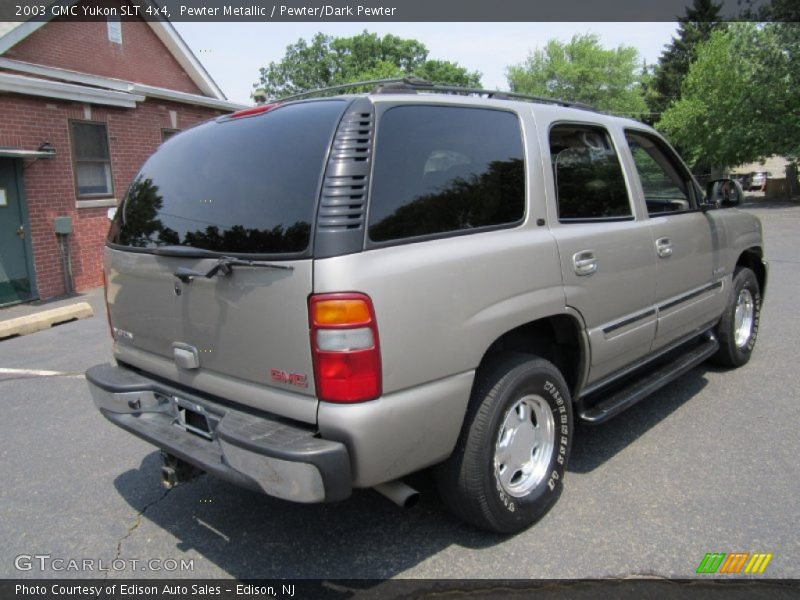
(594, 445)
(771, 203)
(248, 535)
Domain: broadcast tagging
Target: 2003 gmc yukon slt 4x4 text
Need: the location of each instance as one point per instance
(332, 293)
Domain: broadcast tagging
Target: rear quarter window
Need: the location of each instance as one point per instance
(441, 170)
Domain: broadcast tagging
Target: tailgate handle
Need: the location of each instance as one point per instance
(185, 356)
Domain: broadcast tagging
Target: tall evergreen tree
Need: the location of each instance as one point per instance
(696, 27)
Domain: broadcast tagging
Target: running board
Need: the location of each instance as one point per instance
(650, 382)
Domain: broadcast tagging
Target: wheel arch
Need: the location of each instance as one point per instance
(753, 259)
(559, 338)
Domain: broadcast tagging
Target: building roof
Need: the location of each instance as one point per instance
(94, 89)
(11, 33)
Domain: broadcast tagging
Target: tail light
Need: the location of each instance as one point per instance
(105, 299)
(345, 347)
(255, 110)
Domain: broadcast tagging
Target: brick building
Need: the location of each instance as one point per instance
(82, 105)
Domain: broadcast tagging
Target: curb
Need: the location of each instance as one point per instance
(45, 319)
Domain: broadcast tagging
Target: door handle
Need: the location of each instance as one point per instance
(21, 232)
(664, 247)
(584, 262)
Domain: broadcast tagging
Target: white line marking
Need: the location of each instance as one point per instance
(213, 529)
(39, 373)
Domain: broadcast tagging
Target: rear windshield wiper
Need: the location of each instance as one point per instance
(225, 266)
(183, 251)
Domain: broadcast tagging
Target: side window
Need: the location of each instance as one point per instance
(588, 175)
(666, 187)
(114, 26)
(92, 159)
(441, 169)
(168, 133)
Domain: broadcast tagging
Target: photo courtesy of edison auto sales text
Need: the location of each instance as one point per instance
(168, 590)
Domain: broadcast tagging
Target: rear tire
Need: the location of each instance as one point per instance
(737, 330)
(508, 467)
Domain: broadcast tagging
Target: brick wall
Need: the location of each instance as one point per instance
(26, 122)
(85, 47)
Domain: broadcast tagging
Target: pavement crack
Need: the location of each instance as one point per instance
(136, 525)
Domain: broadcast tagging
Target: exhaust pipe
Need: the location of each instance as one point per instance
(398, 492)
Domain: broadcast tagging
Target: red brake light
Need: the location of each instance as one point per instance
(256, 110)
(345, 347)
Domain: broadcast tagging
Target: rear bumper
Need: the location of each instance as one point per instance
(283, 459)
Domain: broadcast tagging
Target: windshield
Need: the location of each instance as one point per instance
(235, 186)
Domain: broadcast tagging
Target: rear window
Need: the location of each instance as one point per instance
(240, 186)
(440, 170)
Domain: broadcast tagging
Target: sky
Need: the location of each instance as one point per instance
(233, 52)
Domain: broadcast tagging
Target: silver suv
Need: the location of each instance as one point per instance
(331, 293)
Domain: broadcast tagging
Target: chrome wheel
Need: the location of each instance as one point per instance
(743, 318)
(524, 446)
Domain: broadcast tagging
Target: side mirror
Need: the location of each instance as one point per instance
(721, 193)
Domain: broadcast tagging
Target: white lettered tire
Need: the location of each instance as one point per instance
(508, 467)
(737, 330)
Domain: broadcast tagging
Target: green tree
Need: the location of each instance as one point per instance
(673, 65)
(140, 216)
(785, 60)
(583, 71)
(739, 100)
(327, 61)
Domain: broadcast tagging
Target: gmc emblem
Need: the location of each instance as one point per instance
(295, 379)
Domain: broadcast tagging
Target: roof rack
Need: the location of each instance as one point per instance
(413, 84)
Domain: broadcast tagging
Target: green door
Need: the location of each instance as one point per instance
(15, 277)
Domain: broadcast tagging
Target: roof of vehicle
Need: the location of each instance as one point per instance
(411, 89)
(407, 85)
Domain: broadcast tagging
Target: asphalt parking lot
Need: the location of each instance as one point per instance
(709, 464)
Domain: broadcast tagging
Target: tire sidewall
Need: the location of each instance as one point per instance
(547, 383)
(745, 279)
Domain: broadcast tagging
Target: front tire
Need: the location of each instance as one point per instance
(508, 467)
(738, 328)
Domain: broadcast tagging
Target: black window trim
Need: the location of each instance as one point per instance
(677, 164)
(661, 215)
(78, 195)
(571, 220)
(575, 220)
(164, 251)
(380, 109)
